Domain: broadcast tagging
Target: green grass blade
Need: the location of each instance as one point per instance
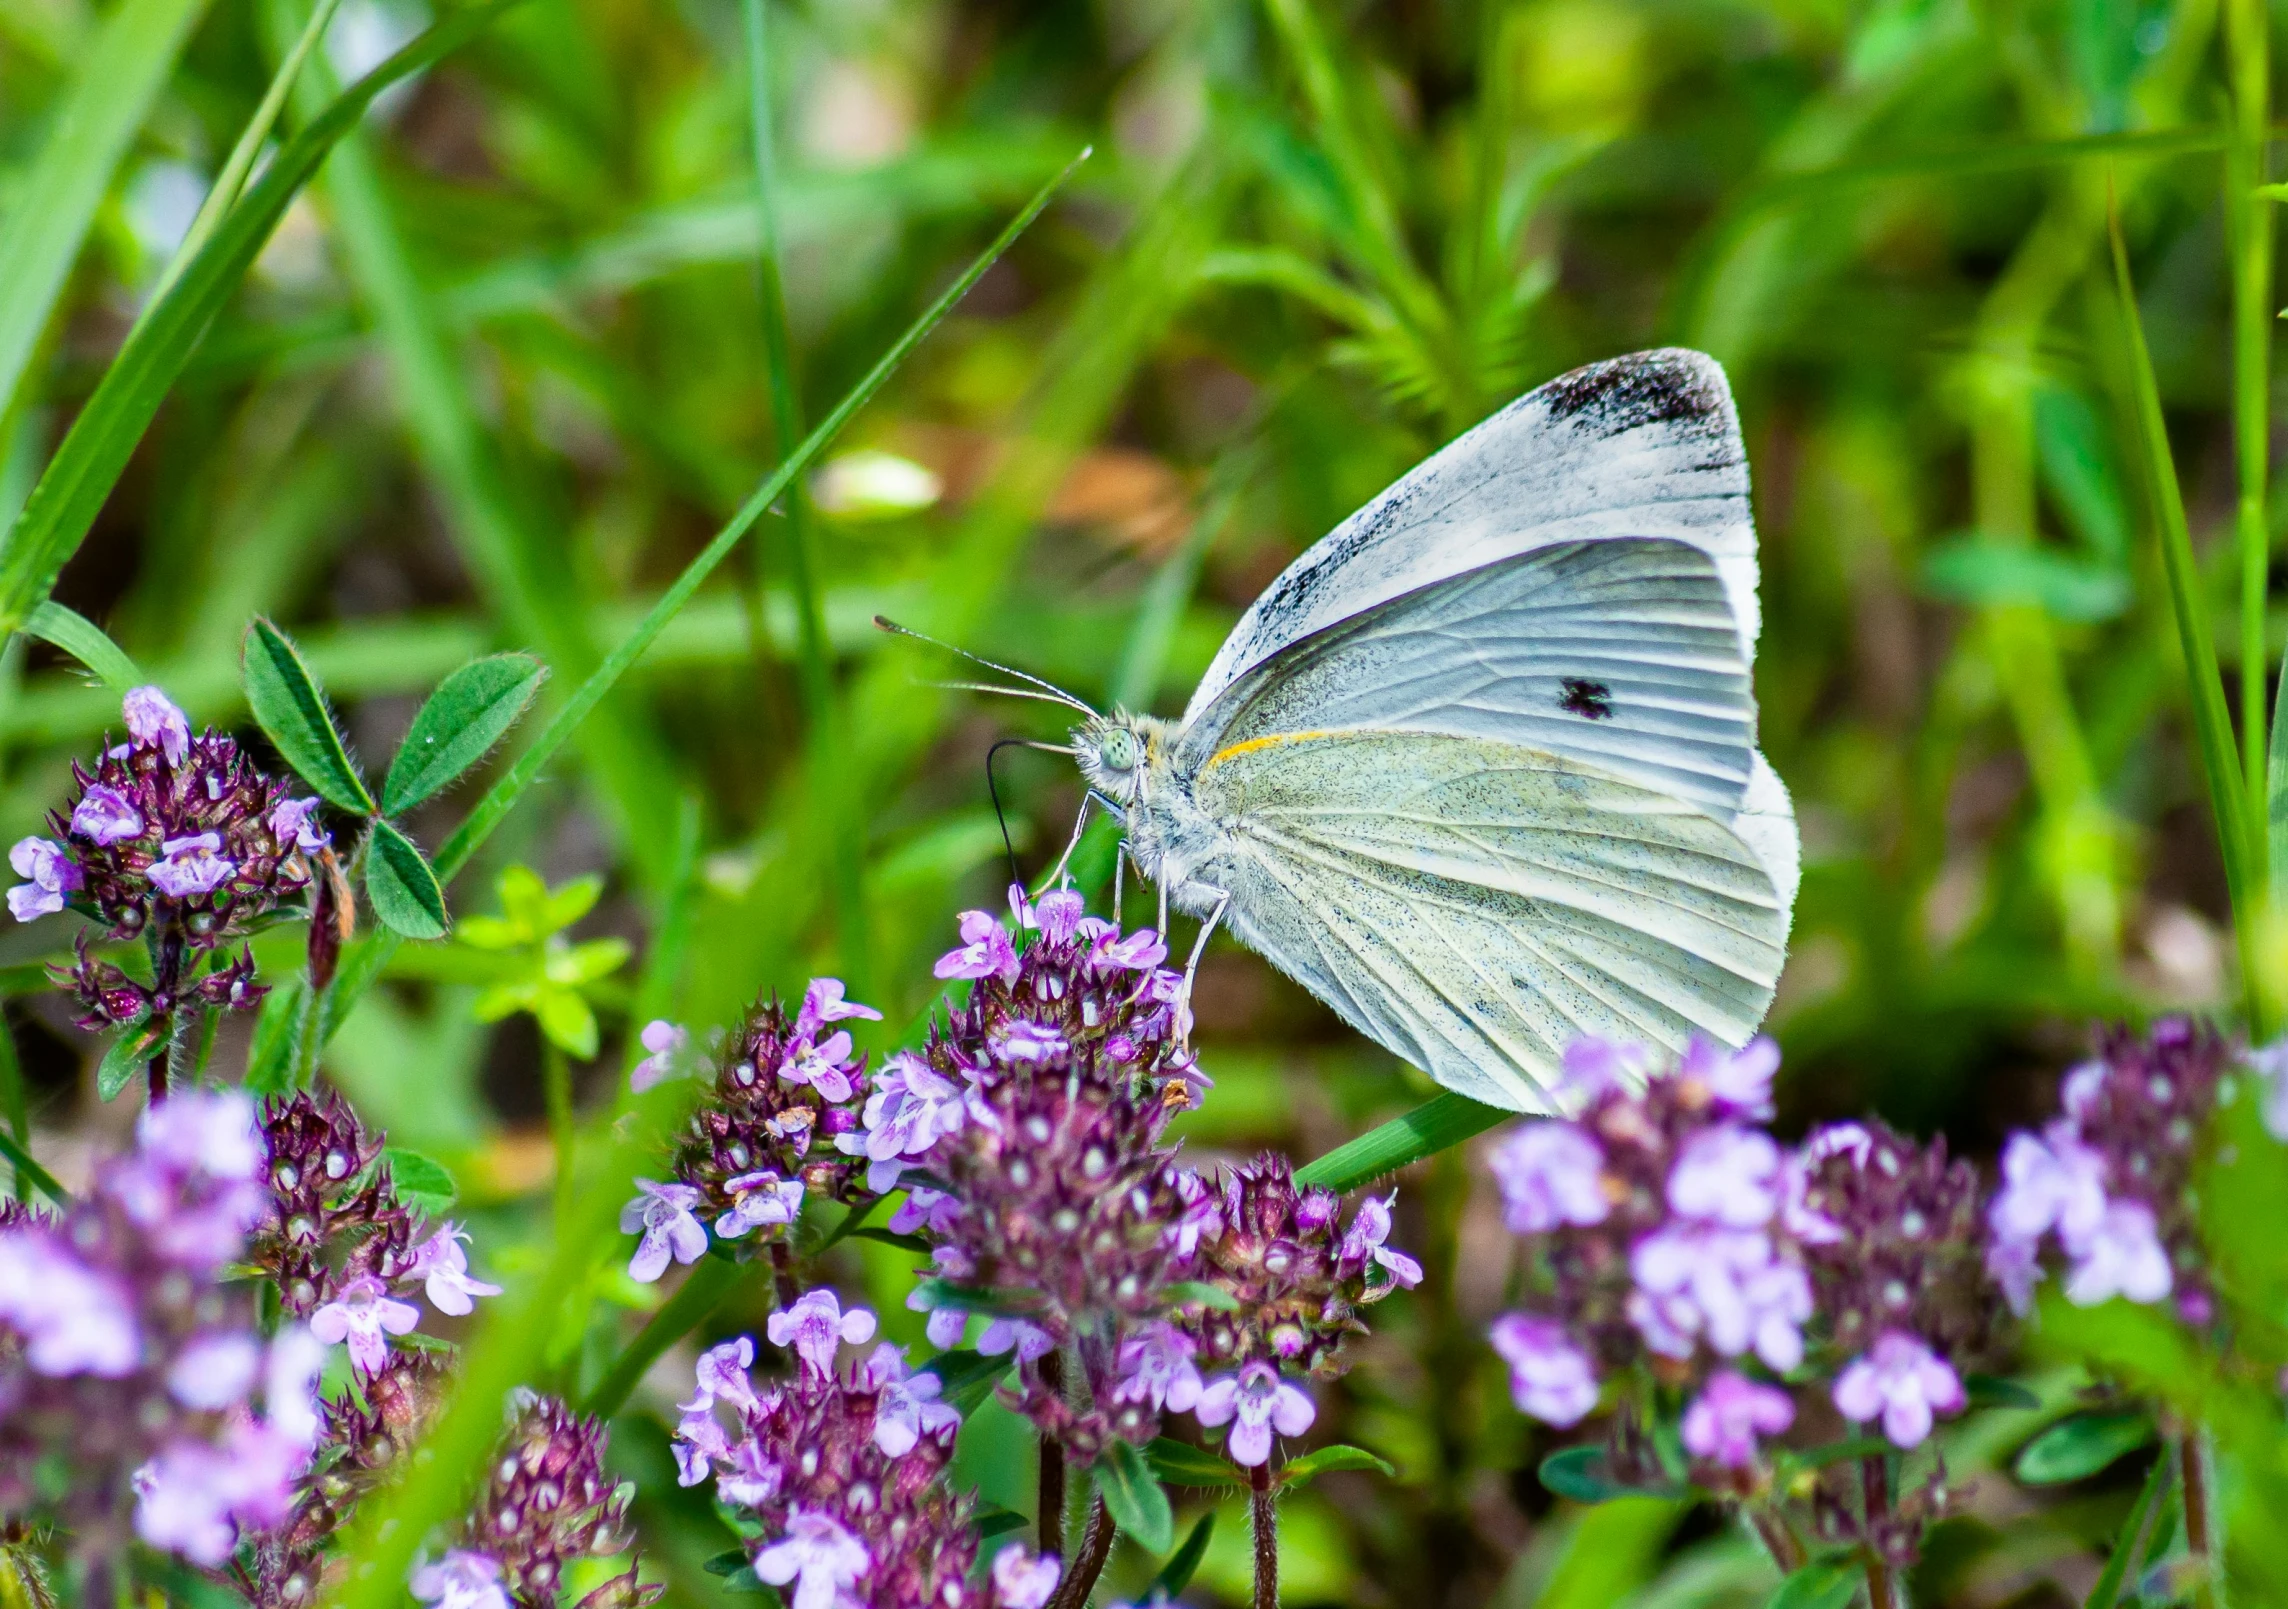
(85, 641)
(1443, 1121)
(710, 1281)
(223, 194)
(2107, 1592)
(2248, 216)
(79, 478)
(28, 1170)
(822, 719)
(41, 235)
(2211, 724)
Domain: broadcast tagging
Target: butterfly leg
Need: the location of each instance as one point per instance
(1199, 948)
(1056, 877)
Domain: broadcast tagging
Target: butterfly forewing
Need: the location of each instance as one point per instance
(1475, 906)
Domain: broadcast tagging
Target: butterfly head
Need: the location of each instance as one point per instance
(1116, 752)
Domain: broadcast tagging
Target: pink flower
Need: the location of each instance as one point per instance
(74, 1320)
(1724, 1286)
(195, 1496)
(2122, 1256)
(662, 1212)
(818, 1556)
(290, 1385)
(362, 1315)
(462, 1580)
(1740, 1080)
(1154, 1366)
(758, 1201)
(1551, 1174)
(1028, 1341)
(1139, 951)
(1364, 1242)
(722, 1376)
(1727, 1175)
(1550, 1377)
(443, 1267)
(2048, 1182)
(53, 875)
(905, 1405)
(104, 816)
(153, 720)
(1059, 913)
(1729, 1414)
(822, 1003)
(910, 1108)
(1262, 1403)
(193, 865)
(215, 1370)
(1591, 1066)
(295, 821)
(1902, 1381)
(666, 1041)
(819, 1063)
(985, 952)
(1021, 1580)
(2016, 1266)
(816, 1325)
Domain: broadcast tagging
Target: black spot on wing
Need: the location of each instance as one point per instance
(1591, 700)
(1641, 389)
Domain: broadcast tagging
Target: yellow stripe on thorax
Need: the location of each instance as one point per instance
(1271, 740)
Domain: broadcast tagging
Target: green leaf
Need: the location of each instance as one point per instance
(291, 707)
(1993, 1391)
(402, 887)
(967, 1378)
(1177, 1573)
(1442, 1121)
(1821, 1584)
(471, 710)
(79, 479)
(2188, 601)
(1979, 570)
(85, 641)
(728, 1562)
(1580, 1474)
(421, 1182)
(1311, 1465)
(568, 1022)
(121, 73)
(1133, 1498)
(991, 1520)
(126, 1056)
(2119, 1562)
(2080, 1446)
(28, 1167)
(1188, 1291)
(932, 1294)
(890, 1237)
(1179, 1463)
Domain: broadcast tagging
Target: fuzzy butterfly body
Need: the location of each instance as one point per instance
(1480, 768)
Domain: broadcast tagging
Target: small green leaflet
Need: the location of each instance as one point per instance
(1439, 1122)
(1182, 1564)
(965, 1378)
(403, 889)
(2081, 1445)
(291, 708)
(991, 1519)
(1190, 1291)
(128, 1055)
(1299, 1471)
(932, 1294)
(422, 1184)
(1133, 1498)
(1580, 1474)
(471, 710)
(1993, 1391)
(1179, 1463)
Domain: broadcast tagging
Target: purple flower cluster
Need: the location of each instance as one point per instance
(546, 1503)
(788, 1094)
(841, 1472)
(175, 837)
(123, 1349)
(2106, 1182)
(1669, 1230)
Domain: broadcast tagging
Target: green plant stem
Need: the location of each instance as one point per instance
(1779, 1539)
(845, 806)
(2131, 1541)
(1875, 1494)
(711, 1279)
(1263, 1511)
(2200, 1533)
(556, 1084)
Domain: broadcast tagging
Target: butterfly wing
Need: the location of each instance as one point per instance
(1641, 446)
(1475, 905)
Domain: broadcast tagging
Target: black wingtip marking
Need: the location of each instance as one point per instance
(1641, 389)
(1590, 700)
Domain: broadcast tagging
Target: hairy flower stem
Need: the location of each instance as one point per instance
(556, 1083)
(783, 1282)
(1778, 1538)
(1263, 1509)
(1051, 1496)
(166, 977)
(2200, 1534)
(1875, 1484)
(1088, 1564)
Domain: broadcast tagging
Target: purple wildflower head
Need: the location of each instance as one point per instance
(1725, 1422)
(548, 1501)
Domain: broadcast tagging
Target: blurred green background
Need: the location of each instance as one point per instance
(502, 370)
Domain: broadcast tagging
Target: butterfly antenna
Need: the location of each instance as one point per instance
(1051, 689)
(994, 793)
(1006, 692)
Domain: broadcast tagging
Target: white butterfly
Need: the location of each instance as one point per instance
(1479, 770)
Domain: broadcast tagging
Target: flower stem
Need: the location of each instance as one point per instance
(1050, 1500)
(784, 1286)
(1777, 1536)
(1263, 1509)
(2200, 1533)
(1088, 1564)
(1875, 1485)
(556, 1083)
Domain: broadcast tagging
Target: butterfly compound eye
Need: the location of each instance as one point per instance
(1119, 749)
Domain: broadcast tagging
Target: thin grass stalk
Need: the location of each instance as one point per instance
(223, 194)
(2131, 1541)
(846, 812)
(2212, 725)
